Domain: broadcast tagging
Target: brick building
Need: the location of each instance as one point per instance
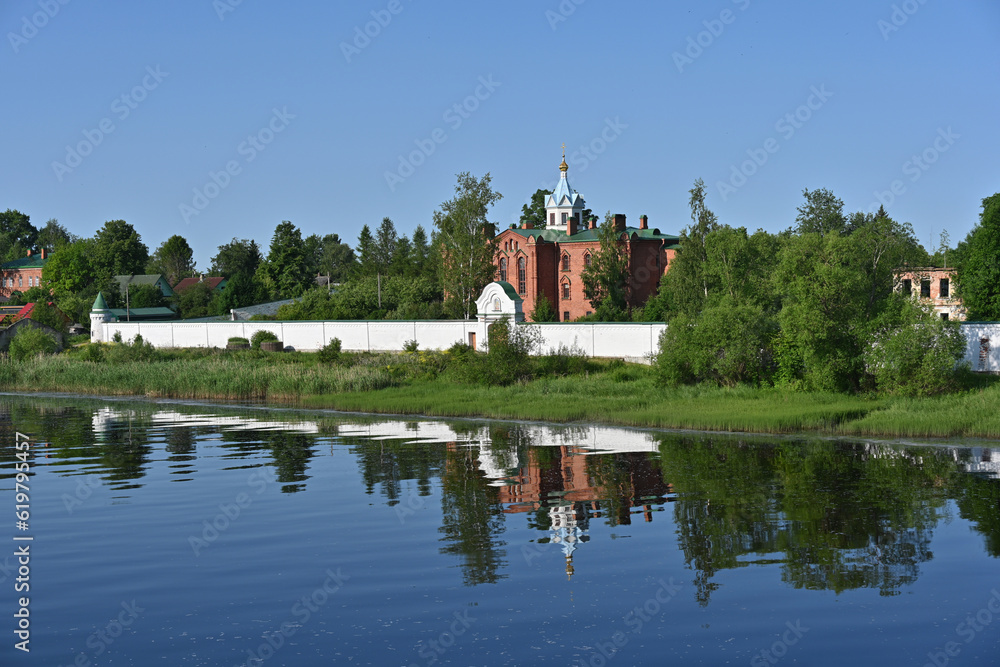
(550, 261)
(20, 275)
(933, 286)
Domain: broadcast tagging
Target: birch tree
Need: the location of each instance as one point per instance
(468, 242)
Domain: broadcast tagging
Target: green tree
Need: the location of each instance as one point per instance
(543, 310)
(118, 250)
(53, 236)
(914, 352)
(285, 273)
(686, 286)
(195, 301)
(239, 256)
(45, 314)
(468, 242)
(386, 239)
(978, 275)
(606, 278)
(420, 255)
(71, 270)
(367, 260)
(725, 344)
(534, 210)
(822, 213)
(336, 259)
(17, 235)
(174, 259)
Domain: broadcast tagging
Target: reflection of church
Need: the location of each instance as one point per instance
(560, 481)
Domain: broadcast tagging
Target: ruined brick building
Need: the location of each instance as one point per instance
(550, 261)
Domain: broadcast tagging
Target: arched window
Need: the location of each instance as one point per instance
(503, 269)
(565, 261)
(565, 288)
(20, 281)
(588, 259)
(522, 276)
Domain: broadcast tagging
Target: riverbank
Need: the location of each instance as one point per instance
(599, 392)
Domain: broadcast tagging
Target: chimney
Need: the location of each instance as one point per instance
(619, 222)
(643, 222)
(571, 223)
(44, 254)
(593, 222)
(29, 252)
(528, 225)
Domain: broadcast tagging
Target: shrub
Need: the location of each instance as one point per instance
(727, 345)
(917, 357)
(117, 338)
(30, 342)
(260, 336)
(563, 361)
(508, 357)
(93, 352)
(410, 346)
(330, 353)
(238, 340)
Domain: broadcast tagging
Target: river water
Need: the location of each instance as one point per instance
(166, 533)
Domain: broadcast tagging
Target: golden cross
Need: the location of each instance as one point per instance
(564, 151)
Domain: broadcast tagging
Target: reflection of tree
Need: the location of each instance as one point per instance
(389, 462)
(124, 448)
(473, 518)
(978, 500)
(844, 515)
(291, 452)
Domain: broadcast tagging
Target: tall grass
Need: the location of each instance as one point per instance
(424, 383)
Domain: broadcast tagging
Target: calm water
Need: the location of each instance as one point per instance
(173, 534)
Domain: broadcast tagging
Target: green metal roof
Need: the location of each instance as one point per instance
(509, 290)
(160, 313)
(33, 262)
(99, 303)
(591, 235)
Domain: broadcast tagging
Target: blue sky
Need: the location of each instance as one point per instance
(237, 115)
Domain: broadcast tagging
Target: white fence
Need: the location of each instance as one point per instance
(627, 340)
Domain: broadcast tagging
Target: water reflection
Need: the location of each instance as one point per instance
(832, 515)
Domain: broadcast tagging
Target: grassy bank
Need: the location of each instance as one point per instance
(427, 383)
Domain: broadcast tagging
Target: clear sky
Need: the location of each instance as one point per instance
(220, 119)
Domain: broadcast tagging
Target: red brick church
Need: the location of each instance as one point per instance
(549, 261)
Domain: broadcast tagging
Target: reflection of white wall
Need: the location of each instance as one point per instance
(985, 461)
(104, 417)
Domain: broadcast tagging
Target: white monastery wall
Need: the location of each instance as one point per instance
(634, 341)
